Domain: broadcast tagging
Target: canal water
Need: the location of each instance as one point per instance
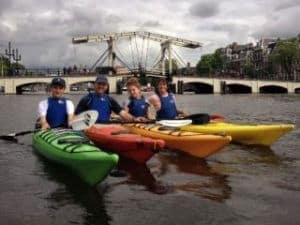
(239, 185)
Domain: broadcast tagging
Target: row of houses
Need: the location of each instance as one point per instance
(253, 60)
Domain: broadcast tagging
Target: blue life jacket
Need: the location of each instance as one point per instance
(168, 108)
(57, 115)
(138, 107)
(102, 104)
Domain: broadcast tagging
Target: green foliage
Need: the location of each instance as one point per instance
(5, 65)
(205, 65)
(249, 69)
(287, 53)
(211, 63)
(218, 60)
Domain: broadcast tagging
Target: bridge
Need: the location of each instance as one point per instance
(198, 85)
(138, 64)
(17, 85)
(230, 86)
(139, 58)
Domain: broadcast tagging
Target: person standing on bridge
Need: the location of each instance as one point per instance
(56, 111)
(164, 102)
(103, 103)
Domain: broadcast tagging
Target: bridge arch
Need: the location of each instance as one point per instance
(273, 89)
(297, 90)
(2, 89)
(32, 87)
(237, 88)
(198, 87)
(82, 85)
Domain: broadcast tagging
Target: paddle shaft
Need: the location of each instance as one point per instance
(199, 118)
(202, 118)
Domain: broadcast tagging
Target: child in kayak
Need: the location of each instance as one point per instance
(56, 111)
(137, 105)
(103, 103)
(164, 102)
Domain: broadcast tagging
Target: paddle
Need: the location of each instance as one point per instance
(217, 117)
(196, 119)
(202, 118)
(12, 136)
(170, 123)
(83, 121)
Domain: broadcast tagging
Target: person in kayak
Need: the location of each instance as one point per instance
(137, 105)
(164, 102)
(99, 100)
(56, 111)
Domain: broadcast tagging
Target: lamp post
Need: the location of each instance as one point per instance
(1, 55)
(17, 58)
(1, 65)
(9, 54)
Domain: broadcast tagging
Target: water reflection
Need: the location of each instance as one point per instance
(72, 191)
(249, 155)
(196, 176)
(140, 174)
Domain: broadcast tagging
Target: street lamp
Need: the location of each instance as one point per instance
(1, 62)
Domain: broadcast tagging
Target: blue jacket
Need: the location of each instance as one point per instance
(101, 103)
(138, 107)
(168, 108)
(57, 115)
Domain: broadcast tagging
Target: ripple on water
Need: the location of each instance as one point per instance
(238, 185)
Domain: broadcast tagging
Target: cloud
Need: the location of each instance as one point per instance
(43, 30)
(151, 23)
(281, 24)
(5, 5)
(205, 9)
(287, 4)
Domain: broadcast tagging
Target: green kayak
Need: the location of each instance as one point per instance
(73, 150)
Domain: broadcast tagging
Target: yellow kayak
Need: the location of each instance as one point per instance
(244, 134)
(199, 145)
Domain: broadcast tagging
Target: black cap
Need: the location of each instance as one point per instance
(57, 81)
(101, 79)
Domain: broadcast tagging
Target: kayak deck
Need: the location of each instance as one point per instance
(73, 150)
(118, 139)
(264, 135)
(199, 145)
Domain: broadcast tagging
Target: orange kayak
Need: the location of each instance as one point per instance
(119, 140)
(199, 145)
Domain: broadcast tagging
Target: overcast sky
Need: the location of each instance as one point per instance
(42, 30)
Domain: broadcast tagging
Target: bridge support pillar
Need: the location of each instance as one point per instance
(223, 88)
(290, 87)
(9, 86)
(216, 86)
(255, 87)
(180, 87)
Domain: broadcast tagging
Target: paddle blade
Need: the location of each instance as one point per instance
(217, 117)
(8, 138)
(174, 123)
(84, 120)
(12, 136)
(200, 118)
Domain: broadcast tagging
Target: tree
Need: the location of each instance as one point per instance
(218, 63)
(211, 63)
(5, 66)
(287, 54)
(248, 69)
(205, 64)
